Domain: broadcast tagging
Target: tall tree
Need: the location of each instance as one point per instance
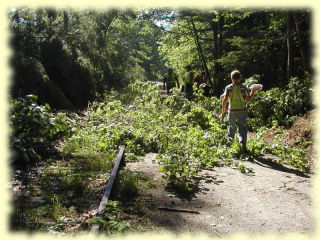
(302, 24)
(200, 53)
(290, 54)
(80, 54)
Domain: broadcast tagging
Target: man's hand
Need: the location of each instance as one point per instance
(222, 115)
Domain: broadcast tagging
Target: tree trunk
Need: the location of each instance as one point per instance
(289, 46)
(200, 53)
(302, 29)
(217, 30)
(214, 28)
(65, 22)
(220, 30)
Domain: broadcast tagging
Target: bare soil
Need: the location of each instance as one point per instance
(274, 199)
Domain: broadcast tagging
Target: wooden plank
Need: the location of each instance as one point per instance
(108, 188)
(178, 210)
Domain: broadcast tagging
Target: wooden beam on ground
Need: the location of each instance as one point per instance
(108, 188)
(178, 210)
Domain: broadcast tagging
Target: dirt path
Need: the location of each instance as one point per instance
(272, 200)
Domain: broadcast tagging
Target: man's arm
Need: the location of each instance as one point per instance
(191, 76)
(177, 81)
(164, 81)
(248, 97)
(224, 106)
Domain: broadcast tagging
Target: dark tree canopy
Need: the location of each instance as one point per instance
(80, 55)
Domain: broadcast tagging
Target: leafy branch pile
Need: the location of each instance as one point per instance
(294, 156)
(186, 135)
(280, 106)
(35, 128)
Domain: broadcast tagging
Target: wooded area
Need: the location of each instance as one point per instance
(87, 82)
(68, 58)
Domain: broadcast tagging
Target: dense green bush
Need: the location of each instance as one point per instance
(34, 128)
(82, 53)
(295, 99)
(278, 106)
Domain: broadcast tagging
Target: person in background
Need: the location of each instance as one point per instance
(202, 79)
(188, 81)
(237, 94)
(171, 79)
(164, 79)
(199, 79)
(183, 87)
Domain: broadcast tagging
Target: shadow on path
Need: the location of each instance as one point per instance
(269, 162)
(195, 187)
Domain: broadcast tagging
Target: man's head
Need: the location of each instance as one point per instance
(235, 76)
(170, 69)
(188, 67)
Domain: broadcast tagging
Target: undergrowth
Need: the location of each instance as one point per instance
(187, 136)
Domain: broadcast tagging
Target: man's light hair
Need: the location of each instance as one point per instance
(235, 74)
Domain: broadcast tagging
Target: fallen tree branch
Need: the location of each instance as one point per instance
(178, 210)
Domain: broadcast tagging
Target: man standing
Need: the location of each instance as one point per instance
(238, 95)
(188, 81)
(171, 79)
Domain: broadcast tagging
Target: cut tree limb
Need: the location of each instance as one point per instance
(178, 210)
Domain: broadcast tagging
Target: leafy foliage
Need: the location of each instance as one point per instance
(80, 54)
(34, 127)
(110, 221)
(187, 135)
(102, 61)
(252, 41)
(279, 106)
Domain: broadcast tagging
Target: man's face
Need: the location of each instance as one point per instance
(236, 80)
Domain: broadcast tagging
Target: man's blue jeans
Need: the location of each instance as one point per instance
(238, 118)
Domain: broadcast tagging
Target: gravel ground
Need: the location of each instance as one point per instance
(273, 199)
